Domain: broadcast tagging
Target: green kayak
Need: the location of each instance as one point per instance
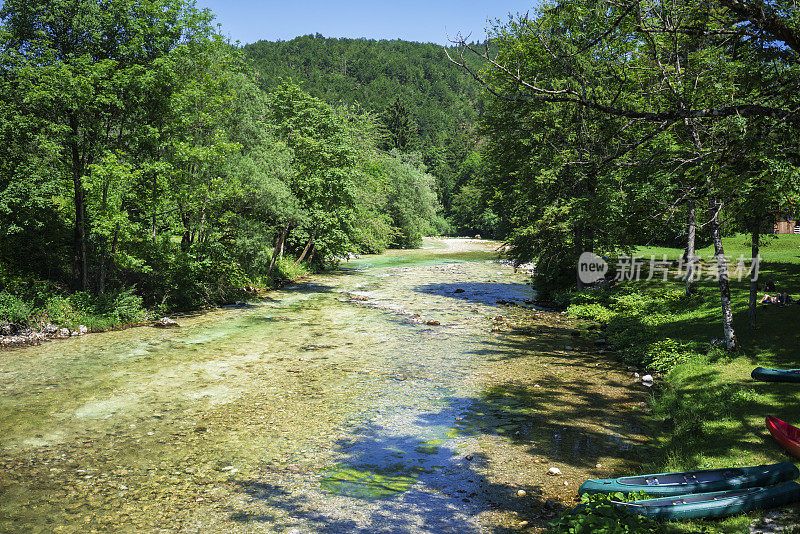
(665, 484)
(776, 375)
(716, 504)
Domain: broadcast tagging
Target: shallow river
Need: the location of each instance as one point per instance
(394, 395)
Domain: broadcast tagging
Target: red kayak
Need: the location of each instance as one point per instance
(785, 434)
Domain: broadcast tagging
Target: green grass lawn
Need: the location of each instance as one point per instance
(773, 249)
(709, 413)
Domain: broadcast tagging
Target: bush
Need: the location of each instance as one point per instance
(59, 310)
(665, 354)
(13, 309)
(596, 312)
(286, 270)
(555, 273)
(597, 515)
(101, 312)
(631, 303)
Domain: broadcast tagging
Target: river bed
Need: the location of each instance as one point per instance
(393, 395)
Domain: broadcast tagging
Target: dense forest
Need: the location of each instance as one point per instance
(151, 164)
(424, 103)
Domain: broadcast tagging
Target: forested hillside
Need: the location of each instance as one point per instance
(144, 164)
(426, 103)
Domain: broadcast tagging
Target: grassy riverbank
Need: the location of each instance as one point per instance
(707, 412)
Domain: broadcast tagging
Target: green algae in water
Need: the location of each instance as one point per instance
(429, 447)
(363, 483)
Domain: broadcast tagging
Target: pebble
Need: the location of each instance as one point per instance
(521, 493)
(647, 378)
(554, 471)
(598, 466)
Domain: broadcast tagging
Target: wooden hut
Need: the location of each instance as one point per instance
(786, 224)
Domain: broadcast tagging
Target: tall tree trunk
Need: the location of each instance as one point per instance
(578, 246)
(305, 250)
(278, 245)
(186, 237)
(283, 242)
(755, 239)
(714, 208)
(311, 254)
(80, 267)
(107, 261)
(80, 261)
(155, 205)
(690, 255)
(201, 230)
(101, 278)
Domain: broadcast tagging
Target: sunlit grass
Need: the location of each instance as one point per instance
(709, 413)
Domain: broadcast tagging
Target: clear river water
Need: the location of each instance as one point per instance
(393, 395)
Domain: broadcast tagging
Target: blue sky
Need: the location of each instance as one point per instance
(412, 20)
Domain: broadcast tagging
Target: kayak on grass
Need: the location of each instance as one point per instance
(715, 504)
(787, 435)
(776, 375)
(679, 483)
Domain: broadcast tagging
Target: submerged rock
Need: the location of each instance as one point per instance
(166, 322)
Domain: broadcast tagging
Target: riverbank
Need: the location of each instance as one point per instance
(48, 315)
(707, 411)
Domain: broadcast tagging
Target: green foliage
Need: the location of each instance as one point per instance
(665, 354)
(411, 201)
(96, 312)
(175, 172)
(633, 320)
(598, 515)
(556, 268)
(594, 311)
(425, 102)
(13, 309)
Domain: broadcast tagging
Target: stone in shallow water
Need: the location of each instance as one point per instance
(166, 322)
